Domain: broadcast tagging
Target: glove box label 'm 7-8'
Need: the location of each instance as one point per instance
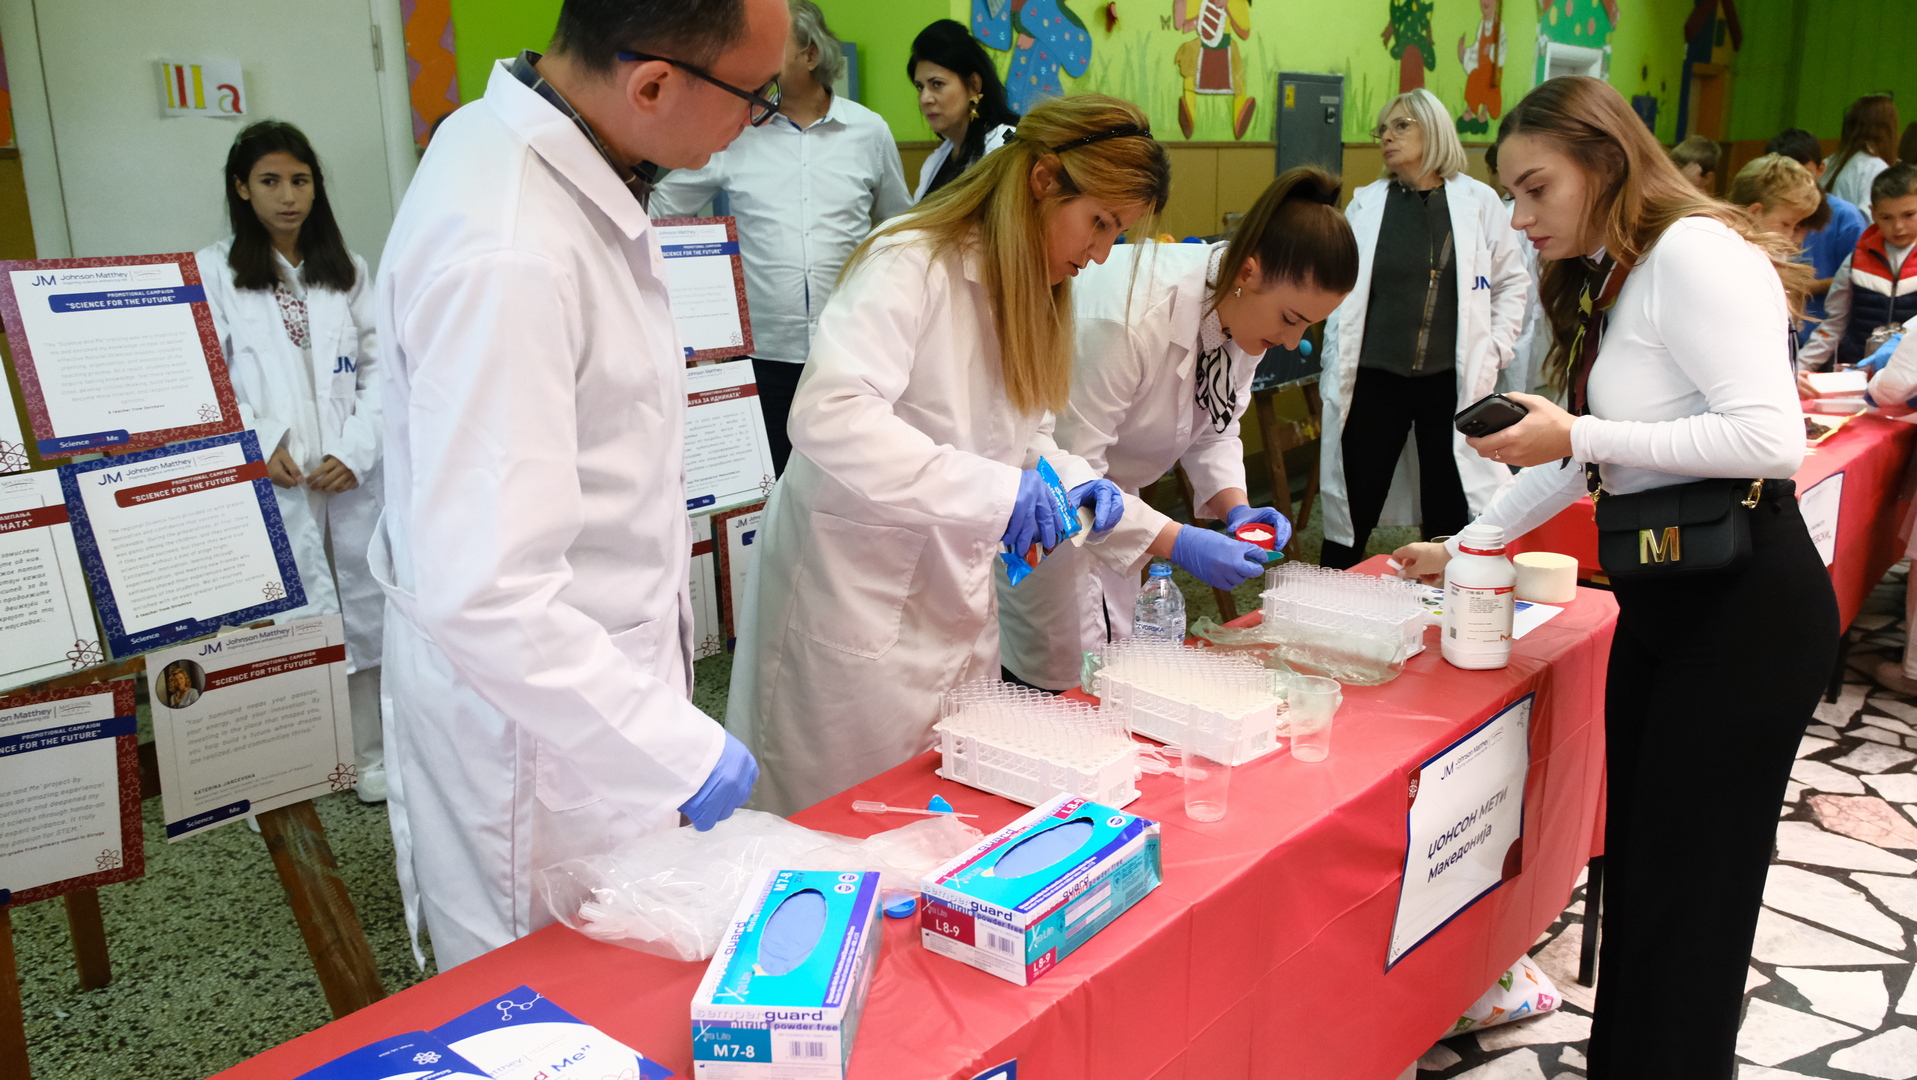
(1030, 894)
(782, 997)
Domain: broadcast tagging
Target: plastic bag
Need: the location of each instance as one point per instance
(1523, 991)
(673, 893)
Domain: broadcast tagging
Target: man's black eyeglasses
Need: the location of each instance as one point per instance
(764, 102)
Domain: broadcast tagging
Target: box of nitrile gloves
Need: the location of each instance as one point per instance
(1030, 894)
(781, 998)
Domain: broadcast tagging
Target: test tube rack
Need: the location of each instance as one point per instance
(1343, 612)
(1030, 746)
(1221, 705)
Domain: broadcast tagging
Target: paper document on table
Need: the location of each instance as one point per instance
(520, 1035)
(116, 352)
(1820, 504)
(728, 461)
(250, 721)
(415, 1055)
(69, 791)
(181, 541)
(1838, 383)
(1527, 616)
(46, 620)
(1465, 826)
(705, 280)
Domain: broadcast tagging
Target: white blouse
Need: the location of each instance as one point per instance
(1693, 380)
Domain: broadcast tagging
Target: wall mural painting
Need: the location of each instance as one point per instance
(1408, 37)
(1210, 62)
(1483, 60)
(1046, 38)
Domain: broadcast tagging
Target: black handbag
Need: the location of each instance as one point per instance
(1682, 531)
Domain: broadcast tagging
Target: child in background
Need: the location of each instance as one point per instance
(1782, 195)
(1697, 157)
(1865, 147)
(1830, 244)
(1875, 289)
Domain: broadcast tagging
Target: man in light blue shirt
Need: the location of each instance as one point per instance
(806, 189)
(1827, 248)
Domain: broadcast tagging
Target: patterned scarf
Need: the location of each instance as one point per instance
(1604, 277)
(1217, 394)
(292, 314)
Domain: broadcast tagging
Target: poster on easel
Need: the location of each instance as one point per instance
(181, 541)
(736, 533)
(46, 620)
(69, 791)
(115, 353)
(728, 460)
(250, 721)
(705, 278)
(708, 634)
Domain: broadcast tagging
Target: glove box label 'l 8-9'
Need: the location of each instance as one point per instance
(782, 997)
(1029, 895)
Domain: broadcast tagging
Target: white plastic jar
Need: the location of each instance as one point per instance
(1480, 591)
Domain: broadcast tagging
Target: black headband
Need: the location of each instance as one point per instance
(1122, 131)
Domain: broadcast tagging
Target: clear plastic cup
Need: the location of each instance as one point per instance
(1313, 700)
(1207, 785)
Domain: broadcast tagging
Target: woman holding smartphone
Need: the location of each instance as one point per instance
(1670, 326)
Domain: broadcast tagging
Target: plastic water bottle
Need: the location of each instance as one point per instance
(1479, 594)
(1159, 613)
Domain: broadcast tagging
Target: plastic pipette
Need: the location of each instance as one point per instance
(866, 806)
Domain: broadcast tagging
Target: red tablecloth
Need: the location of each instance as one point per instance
(1261, 955)
(1871, 452)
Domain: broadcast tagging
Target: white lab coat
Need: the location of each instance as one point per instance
(1134, 414)
(1533, 347)
(333, 409)
(873, 590)
(1493, 287)
(535, 547)
(994, 139)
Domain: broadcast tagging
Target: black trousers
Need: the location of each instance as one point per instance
(778, 381)
(1385, 408)
(1710, 687)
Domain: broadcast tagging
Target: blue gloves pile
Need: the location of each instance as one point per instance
(1223, 561)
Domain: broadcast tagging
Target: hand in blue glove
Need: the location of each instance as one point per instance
(1106, 501)
(1034, 516)
(1264, 515)
(1875, 361)
(726, 788)
(1216, 559)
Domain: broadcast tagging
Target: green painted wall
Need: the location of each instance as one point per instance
(1845, 51)
(487, 30)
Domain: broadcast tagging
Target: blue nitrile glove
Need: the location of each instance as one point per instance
(1264, 515)
(1034, 516)
(1876, 361)
(726, 788)
(1220, 561)
(1106, 501)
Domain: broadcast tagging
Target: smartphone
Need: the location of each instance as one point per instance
(1494, 413)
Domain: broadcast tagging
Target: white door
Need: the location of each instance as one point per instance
(127, 180)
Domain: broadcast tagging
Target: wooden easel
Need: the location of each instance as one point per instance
(328, 923)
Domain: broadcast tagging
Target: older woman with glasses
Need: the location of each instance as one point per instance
(1440, 299)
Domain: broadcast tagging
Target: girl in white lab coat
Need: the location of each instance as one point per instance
(1168, 339)
(1436, 315)
(295, 320)
(926, 404)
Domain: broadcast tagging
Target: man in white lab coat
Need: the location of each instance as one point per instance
(535, 546)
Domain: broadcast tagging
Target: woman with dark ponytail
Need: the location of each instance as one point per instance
(294, 313)
(1168, 338)
(961, 97)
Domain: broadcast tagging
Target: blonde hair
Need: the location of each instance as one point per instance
(1637, 193)
(1776, 180)
(990, 210)
(1443, 153)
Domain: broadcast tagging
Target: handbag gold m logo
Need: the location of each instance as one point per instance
(1650, 548)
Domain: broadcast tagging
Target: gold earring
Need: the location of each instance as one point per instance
(975, 102)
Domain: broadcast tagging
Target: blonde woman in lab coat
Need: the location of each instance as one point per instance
(295, 319)
(1168, 338)
(926, 405)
